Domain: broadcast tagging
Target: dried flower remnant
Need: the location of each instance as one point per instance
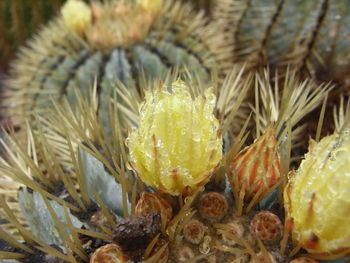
(317, 198)
(256, 168)
(194, 231)
(177, 144)
(266, 226)
(213, 205)
(135, 233)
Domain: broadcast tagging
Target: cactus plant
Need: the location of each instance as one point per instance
(83, 193)
(110, 42)
(310, 36)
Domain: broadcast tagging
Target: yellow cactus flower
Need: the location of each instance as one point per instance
(177, 144)
(318, 198)
(77, 15)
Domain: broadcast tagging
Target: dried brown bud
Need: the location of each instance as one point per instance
(135, 233)
(213, 205)
(266, 226)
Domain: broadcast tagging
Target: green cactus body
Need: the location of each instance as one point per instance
(58, 61)
(311, 36)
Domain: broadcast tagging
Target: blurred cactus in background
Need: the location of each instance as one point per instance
(110, 42)
(310, 36)
(19, 19)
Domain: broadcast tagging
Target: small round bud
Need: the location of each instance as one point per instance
(194, 231)
(266, 226)
(185, 253)
(213, 205)
(110, 253)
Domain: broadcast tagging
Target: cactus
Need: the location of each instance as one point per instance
(111, 42)
(20, 19)
(85, 198)
(310, 36)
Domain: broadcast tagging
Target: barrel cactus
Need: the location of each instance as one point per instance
(143, 194)
(108, 42)
(311, 36)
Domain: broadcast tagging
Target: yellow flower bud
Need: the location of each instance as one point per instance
(76, 15)
(152, 6)
(177, 144)
(318, 198)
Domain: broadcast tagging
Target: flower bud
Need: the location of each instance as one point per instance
(266, 226)
(257, 167)
(194, 231)
(317, 198)
(76, 15)
(152, 6)
(177, 144)
(213, 205)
